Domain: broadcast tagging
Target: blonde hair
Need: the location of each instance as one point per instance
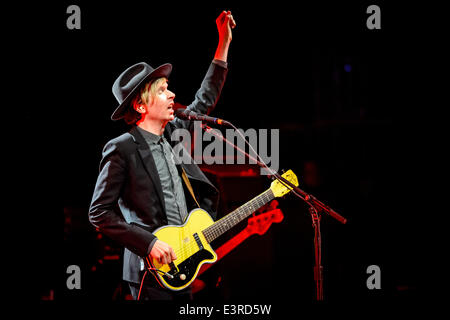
(143, 97)
(149, 90)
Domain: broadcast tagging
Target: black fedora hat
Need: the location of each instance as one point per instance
(131, 80)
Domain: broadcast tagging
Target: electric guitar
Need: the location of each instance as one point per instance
(191, 241)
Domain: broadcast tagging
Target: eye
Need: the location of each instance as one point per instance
(162, 88)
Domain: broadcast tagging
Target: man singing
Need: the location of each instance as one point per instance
(140, 186)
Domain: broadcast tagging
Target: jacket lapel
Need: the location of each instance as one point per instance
(149, 163)
(192, 170)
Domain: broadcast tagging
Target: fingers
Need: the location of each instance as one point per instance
(221, 17)
(165, 259)
(162, 252)
(226, 17)
(167, 255)
(232, 22)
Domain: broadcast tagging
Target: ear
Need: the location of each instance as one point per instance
(140, 108)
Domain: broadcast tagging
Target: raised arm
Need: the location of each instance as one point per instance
(208, 94)
(225, 22)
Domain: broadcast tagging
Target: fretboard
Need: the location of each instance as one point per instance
(233, 218)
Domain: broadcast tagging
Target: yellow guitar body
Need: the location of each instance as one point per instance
(191, 241)
(191, 248)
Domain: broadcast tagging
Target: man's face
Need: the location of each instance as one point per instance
(160, 106)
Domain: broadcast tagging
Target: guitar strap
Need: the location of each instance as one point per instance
(188, 184)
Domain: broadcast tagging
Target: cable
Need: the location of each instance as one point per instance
(149, 267)
(162, 272)
(142, 282)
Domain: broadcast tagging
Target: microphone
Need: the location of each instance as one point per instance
(186, 114)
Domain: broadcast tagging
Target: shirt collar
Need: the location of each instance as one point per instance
(150, 137)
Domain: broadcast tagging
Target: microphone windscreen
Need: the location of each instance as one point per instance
(177, 106)
(182, 113)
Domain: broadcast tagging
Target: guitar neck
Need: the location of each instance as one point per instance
(233, 218)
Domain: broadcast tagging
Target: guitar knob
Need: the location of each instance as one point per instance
(182, 277)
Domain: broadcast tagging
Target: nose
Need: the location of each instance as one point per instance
(170, 94)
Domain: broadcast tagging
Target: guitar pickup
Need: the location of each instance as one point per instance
(197, 239)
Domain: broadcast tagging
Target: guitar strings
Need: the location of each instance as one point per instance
(221, 226)
(216, 230)
(254, 204)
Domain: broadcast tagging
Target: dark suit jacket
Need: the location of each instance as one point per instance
(128, 202)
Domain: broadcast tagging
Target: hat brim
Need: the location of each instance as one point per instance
(162, 71)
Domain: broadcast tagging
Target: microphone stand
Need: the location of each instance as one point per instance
(318, 269)
(316, 207)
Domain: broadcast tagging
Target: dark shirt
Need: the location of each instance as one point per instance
(171, 184)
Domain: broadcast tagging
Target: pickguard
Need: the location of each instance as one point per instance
(188, 267)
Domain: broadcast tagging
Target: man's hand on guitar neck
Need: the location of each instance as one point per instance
(162, 252)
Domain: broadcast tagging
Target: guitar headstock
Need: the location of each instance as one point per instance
(279, 189)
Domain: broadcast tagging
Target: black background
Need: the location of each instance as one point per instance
(364, 130)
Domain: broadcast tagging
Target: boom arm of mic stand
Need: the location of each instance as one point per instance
(313, 201)
(310, 199)
(211, 131)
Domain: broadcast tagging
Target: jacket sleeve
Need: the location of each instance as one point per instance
(207, 96)
(103, 213)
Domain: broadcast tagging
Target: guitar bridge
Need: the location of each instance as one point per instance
(197, 239)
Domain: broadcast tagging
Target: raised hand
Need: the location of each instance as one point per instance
(225, 22)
